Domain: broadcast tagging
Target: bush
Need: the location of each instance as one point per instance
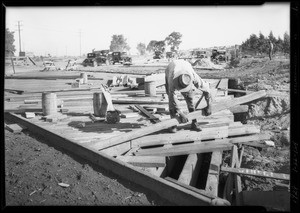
(234, 61)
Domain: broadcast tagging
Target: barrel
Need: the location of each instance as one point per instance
(49, 103)
(84, 76)
(99, 104)
(150, 88)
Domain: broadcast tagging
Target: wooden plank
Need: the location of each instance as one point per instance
(144, 161)
(214, 201)
(212, 182)
(147, 114)
(14, 128)
(15, 91)
(191, 168)
(188, 136)
(239, 109)
(199, 147)
(223, 84)
(137, 101)
(258, 173)
(172, 122)
(164, 188)
(50, 77)
(193, 148)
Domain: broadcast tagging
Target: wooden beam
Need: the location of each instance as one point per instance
(14, 128)
(239, 109)
(144, 161)
(173, 122)
(147, 114)
(189, 136)
(214, 201)
(190, 170)
(200, 147)
(50, 77)
(212, 182)
(258, 173)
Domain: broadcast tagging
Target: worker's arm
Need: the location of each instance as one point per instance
(204, 87)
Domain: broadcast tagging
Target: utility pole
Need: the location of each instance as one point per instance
(79, 43)
(19, 36)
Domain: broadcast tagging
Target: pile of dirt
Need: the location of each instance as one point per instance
(207, 63)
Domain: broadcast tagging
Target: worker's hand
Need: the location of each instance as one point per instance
(206, 95)
(207, 110)
(182, 117)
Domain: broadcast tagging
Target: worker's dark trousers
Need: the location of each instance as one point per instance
(173, 105)
(188, 97)
(270, 54)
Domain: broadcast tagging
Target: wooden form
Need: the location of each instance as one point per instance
(180, 195)
(172, 122)
(156, 166)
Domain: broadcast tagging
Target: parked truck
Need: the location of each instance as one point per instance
(218, 56)
(121, 57)
(97, 58)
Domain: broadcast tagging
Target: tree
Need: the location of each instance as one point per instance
(271, 37)
(262, 43)
(151, 45)
(160, 46)
(141, 47)
(118, 44)
(9, 43)
(286, 43)
(278, 45)
(174, 40)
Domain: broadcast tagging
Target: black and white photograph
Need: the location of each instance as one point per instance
(148, 105)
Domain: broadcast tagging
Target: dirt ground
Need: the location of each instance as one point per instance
(34, 170)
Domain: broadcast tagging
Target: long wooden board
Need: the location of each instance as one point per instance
(200, 147)
(258, 173)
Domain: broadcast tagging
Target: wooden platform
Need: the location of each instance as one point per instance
(153, 160)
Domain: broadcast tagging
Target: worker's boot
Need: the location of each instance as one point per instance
(195, 126)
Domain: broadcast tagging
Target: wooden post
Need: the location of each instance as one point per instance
(12, 62)
(49, 103)
(99, 104)
(84, 77)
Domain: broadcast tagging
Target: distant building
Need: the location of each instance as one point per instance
(29, 54)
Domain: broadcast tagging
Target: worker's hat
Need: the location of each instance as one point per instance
(183, 81)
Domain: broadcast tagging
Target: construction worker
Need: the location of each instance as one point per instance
(180, 76)
(271, 47)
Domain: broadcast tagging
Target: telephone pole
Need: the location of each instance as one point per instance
(19, 36)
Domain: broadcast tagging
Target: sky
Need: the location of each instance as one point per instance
(77, 30)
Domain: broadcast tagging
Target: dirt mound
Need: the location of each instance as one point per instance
(206, 63)
(269, 106)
